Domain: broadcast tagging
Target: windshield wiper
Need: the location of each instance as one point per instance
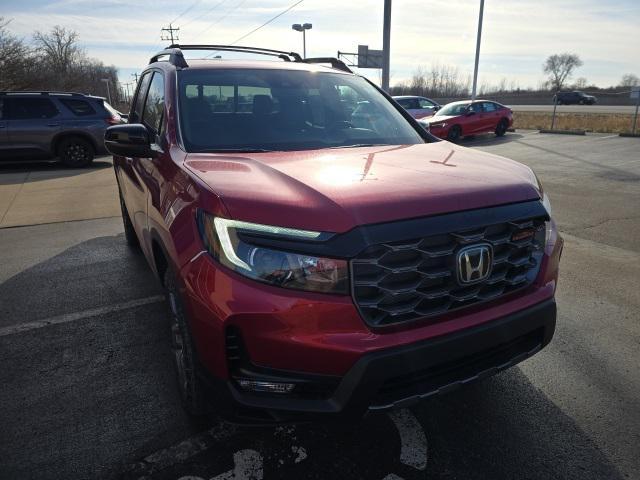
(356, 145)
(238, 150)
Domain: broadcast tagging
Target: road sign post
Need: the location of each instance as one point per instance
(635, 93)
(555, 105)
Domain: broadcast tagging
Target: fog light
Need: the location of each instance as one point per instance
(270, 387)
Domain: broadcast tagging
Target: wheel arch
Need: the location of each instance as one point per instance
(161, 259)
(58, 139)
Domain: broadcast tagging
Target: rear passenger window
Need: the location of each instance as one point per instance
(489, 107)
(80, 108)
(154, 106)
(32, 108)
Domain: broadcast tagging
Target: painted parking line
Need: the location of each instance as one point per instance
(72, 317)
(248, 464)
(413, 447)
(182, 451)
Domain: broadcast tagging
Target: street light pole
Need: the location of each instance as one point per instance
(303, 28)
(386, 45)
(304, 44)
(475, 68)
(106, 80)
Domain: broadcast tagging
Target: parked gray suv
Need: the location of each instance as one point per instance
(38, 125)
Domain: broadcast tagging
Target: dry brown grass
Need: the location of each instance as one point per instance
(591, 122)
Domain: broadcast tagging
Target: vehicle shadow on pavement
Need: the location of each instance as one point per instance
(12, 173)
(89, 397)
(505, 427)
(95, 389)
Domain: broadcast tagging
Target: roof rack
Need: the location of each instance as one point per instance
(34, 92)
(334, 62)
(176, 56)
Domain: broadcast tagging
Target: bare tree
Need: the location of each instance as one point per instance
(629, 80)
(560, 68)
(59, 48)
(55, 62)
(14, 59)
(580, 83)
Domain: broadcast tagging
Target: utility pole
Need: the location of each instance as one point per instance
(135, 75)
(128, 92)
(475, 68)
(106, 80)
(169, 36)
(386, 45)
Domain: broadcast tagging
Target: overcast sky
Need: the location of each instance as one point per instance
(517, 35)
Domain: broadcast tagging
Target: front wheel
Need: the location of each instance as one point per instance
(184, 354)
(501, 128)
(454, 133)
(76, 152)
(129, 231)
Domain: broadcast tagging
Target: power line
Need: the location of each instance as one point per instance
(238, 5)
(205, 13)
(187, 10)
(263, 25)
(267, 22)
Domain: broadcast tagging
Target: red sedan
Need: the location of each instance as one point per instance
(459, 119)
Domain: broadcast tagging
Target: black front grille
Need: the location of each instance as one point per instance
(405, 280)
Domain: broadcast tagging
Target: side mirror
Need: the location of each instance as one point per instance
(437, 107)
(129, 140)
(469, 113)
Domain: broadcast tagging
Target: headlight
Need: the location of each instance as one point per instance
(275, 267)
(439, 125)
(546, 203)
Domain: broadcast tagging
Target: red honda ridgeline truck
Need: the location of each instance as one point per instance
(322, 254)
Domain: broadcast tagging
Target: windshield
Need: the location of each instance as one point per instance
(452, 109)
(243, 109)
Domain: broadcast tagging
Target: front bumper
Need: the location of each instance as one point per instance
(400, 377)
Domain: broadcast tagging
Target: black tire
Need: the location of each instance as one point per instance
(501, 128)
(129, 231)
(454, 133)
(75, 152)
(581, 102)
(184, 354)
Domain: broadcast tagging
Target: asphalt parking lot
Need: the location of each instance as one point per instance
(88, 386)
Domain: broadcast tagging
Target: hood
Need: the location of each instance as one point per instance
(334, 190)
(442, 118)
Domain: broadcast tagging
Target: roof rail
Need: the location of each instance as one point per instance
(176, 56)
(35, 92)
(334, 62)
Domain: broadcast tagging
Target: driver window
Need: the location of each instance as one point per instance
(474, 107)
(153, 113)
(424, 103)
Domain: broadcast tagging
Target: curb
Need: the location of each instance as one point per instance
(564, 132)
(636, 135)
